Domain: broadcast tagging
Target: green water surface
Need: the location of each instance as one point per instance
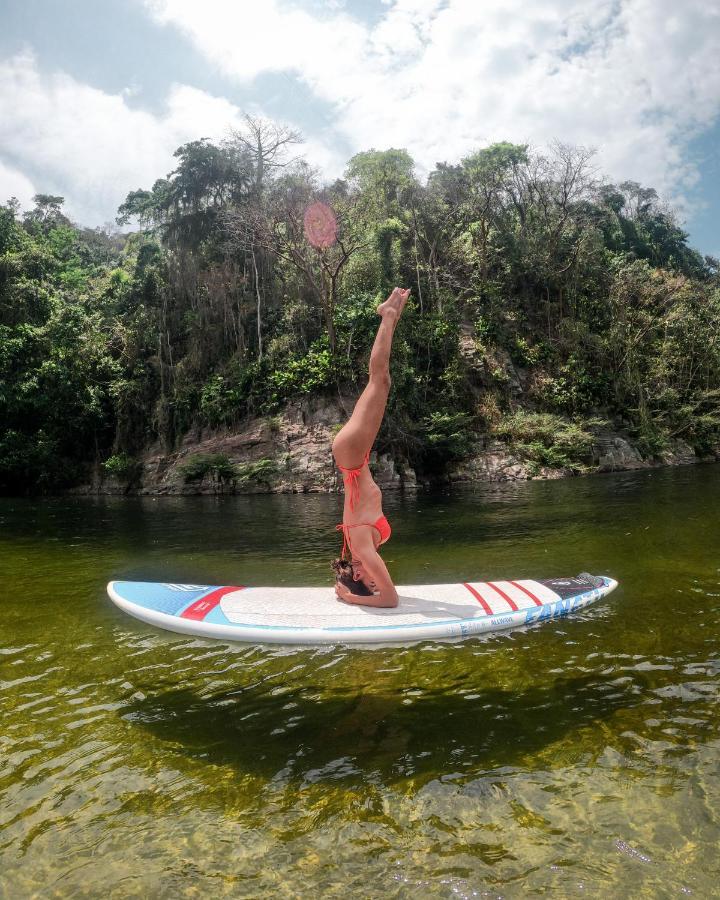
(580, 757)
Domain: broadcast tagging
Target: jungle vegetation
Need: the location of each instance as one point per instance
(545, 300)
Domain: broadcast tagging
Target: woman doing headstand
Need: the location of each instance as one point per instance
(364, 526)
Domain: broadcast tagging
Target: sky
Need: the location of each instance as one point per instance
(95, 95)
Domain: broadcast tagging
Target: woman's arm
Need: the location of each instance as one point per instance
(374, 565)
(347, 596)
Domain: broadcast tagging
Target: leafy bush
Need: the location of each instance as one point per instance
(306, 374)
(226, 398)
(544, 439)
(261, 387)
(650, 440)
(485, 330)
(523, 353)
(488, 409)
(449, 435)
(219, 466)
(198, 465)
(574, 388)
(697, 420)
(261, 471)
(123, 467)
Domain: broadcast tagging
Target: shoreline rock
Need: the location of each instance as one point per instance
(291, 453)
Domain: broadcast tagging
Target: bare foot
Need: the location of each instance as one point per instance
(395, 303)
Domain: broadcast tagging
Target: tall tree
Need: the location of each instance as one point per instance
(46, 213)
(277, 225)
(185, 205)
(266, 143)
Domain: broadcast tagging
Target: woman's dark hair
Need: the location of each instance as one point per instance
(344, 574)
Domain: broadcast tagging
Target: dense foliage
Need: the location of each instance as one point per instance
(542, 300)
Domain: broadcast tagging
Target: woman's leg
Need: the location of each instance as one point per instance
(356, 438)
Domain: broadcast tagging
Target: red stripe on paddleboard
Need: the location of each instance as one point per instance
(477, 596)
(526, 591)
(509, 600)
(201, 607)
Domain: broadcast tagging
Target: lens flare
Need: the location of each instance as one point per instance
(320, 225)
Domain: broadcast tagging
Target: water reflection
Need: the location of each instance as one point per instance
(401, 734)
(577, 757)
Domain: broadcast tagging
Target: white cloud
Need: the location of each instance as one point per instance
(14, 184)
(243, 39)
(636, 78)
(91, 146)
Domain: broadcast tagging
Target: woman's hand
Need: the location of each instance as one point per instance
(374, 571)
(346, 595)
(375, 600)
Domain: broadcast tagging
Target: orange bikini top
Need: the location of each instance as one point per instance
(350, 480)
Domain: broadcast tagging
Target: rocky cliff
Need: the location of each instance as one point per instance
(290, 453)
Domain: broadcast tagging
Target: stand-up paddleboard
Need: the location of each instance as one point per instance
(282, 615)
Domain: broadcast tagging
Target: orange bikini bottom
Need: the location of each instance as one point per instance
(381, 525)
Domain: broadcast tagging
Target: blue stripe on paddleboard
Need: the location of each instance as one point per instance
(160, 598)
(217, 617)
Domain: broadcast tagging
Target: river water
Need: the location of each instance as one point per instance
(578, 757)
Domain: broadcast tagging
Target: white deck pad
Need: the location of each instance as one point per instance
(285, 615)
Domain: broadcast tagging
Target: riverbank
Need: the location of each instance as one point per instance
(290, 453)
